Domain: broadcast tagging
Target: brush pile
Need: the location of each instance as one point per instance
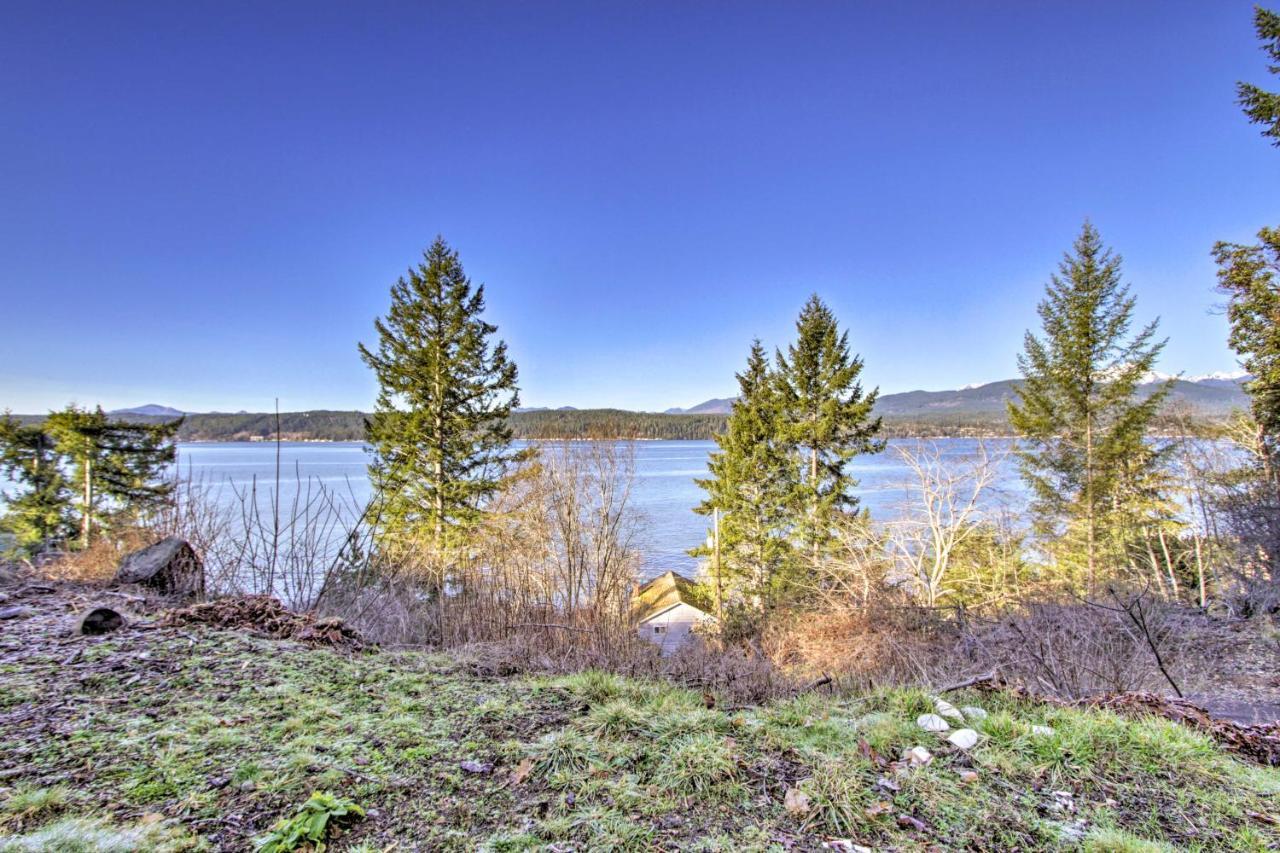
(266, 616)
(1259, 742)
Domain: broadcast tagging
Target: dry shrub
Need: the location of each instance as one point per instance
(1076, 649)
(97, 563)
(738, 675)
(554, 558)
(894, 643)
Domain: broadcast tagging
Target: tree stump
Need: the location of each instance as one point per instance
(169, 566)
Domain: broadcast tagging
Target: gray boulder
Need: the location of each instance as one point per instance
(170, 566)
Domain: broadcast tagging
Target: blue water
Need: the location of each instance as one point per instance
(664, 492)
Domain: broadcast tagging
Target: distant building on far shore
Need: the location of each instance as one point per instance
(665, 611)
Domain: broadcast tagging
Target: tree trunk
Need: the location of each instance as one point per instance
(86, 523)
(1088, 499)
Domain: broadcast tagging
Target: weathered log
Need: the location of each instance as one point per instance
(169, 566)
(99, 620)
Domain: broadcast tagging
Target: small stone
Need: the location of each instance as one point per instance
(968, 777)
(917, 756)
(1063, 801)
(946, 709)
(963, 738)
(478, 767)
(932, 723)
(973, 712)
(248, 785)
(1042, 731)
(15, 612)
(219, 782)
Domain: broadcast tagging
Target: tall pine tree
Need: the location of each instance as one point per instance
(117, 466)
(1263, 107)
(39, 511)
(826, 420)
(445, 389)
(1248, 275)
(752, 479)
(1083, 423)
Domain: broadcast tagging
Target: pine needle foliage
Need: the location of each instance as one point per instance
(1082, 422)
(117, 468)
(446, 387)
(39, 510)
(826, 420)
(1247, 274)
(752, 481)
(1263, 107)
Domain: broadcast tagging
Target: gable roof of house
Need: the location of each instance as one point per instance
(659, 595)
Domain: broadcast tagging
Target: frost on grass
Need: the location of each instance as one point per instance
(86, 835)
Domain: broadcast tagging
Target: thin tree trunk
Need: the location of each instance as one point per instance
(87, 521)
(1200, 572)
(1088, 498)
(1155, 564)
(1168, 562)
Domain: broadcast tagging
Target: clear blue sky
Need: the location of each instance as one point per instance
(204, 205)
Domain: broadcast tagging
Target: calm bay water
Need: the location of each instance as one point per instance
(664, 492)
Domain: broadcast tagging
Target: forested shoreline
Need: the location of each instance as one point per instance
(576, 424)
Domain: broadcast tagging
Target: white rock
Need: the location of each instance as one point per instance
(1043, 731)
(918, 756)
(946, 709)
(932, 723)
(973, 712)
(964, 738)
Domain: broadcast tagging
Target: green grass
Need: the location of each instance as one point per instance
(214, 743)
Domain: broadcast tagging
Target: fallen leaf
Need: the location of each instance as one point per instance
(906, 821)
(878, 808)
(796, 801)
(888, 784)
(522, 771)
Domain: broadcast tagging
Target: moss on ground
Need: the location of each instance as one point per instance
(171, 740)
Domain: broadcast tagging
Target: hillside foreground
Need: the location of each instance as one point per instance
(187, 737)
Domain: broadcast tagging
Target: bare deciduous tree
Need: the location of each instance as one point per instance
(945, 511)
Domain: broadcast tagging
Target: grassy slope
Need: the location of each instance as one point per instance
(204, 738)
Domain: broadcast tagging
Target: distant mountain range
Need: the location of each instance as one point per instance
(1215, 394)
(714, 406)
(150, 410)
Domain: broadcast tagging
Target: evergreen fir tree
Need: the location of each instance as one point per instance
(39, 511)
(826, 420)
(445, 389)
(118, 466)
(1248, 276)
(752, 479)
(1084, 454)
(1263, 107)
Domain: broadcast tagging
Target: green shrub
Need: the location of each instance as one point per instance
(309, 826)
